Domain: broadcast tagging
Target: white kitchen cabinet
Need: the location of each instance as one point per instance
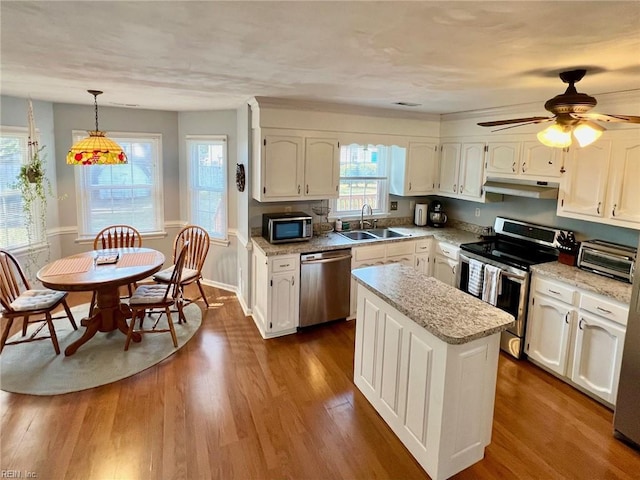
(276, 287)
(624, 192)
(445, 263)
(528, 160)
(577, 335)
(549, 333)
(290, 166)
(583, 190)
(461, 170)
(423, 261)
(417, 172)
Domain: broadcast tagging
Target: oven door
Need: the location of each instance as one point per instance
(514, 290)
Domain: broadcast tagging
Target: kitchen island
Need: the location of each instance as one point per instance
(426, 358)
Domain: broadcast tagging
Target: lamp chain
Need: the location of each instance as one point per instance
(95, 103)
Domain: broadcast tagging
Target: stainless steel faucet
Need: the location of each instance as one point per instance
(362, 220)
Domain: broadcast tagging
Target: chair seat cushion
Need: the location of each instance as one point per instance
(165, 275)
(36, 300)
(149, 294)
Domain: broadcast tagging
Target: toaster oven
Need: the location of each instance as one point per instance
(607, 258)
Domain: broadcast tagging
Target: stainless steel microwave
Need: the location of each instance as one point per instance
(287, 227)
(607, 258)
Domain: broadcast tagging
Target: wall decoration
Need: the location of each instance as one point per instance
(240, 177)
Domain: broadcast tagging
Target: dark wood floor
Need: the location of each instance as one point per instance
(230, 405)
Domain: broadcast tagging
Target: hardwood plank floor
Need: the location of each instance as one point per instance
(230, 405)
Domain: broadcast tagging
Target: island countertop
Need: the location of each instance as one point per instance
(450, 314)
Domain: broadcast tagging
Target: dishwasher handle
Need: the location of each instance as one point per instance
(326, 260)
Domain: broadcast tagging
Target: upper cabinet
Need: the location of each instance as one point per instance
(601, 182)
(295, 167)
(461, 170)
(523, 159)
(416, 173)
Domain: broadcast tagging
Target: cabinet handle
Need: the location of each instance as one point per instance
(453, 269)
(603, 310)
(524, 167)
(553, 291)
(298, 189)
(293, 281)
(307, 189)
(566, 318)
(454, 188)
(598, 207)
(580, 323)
(446, 252)
(461, 187)
(613, 212)
(409, 185)
(513, 167)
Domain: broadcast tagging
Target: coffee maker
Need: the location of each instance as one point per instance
(437, 217)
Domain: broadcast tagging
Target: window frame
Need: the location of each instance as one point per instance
(383, 196)
(38, 237)
(83, 203)
(216, 139)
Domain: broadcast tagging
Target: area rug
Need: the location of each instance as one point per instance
(34, 368)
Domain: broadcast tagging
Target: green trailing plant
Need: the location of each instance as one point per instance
(35, 187)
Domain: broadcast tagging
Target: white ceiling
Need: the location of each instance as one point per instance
(448, 56)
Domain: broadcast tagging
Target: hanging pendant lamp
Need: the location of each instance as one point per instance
(96, 149)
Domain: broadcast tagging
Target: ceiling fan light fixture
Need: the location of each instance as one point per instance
(587, 132)
(96, 149)
(558, 136)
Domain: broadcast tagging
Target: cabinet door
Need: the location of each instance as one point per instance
(284, 302)
(503, 158)
(321, 167)
(585, 183)
(598, 356)
(444, 269)
(282, 167)
(624, 203)
(423, 263)
(471, 170)
(549, 333)
(422, 168)
(449, 167)
(540, 161)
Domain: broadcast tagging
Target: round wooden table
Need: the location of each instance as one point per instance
(81, 273)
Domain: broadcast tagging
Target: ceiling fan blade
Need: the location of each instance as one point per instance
(603, 117)
(514, 120)
(546, 119)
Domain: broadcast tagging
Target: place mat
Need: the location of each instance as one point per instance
(136, 259)
(65, 266)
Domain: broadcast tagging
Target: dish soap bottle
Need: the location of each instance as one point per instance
(338, 225)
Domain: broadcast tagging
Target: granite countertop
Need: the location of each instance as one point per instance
(335, 241)
(448, 313)
(592, 282)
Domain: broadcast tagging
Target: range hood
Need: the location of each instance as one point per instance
(521, 188)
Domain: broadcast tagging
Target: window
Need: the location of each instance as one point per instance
(123, 194)
(208, 183)
(13, 228)
(363, 179)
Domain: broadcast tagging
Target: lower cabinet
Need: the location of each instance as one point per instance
(276, 287)
(445, 263)
(436, 397)
(577, 335)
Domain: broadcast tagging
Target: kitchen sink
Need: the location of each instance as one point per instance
(385, 233)
(358, 235)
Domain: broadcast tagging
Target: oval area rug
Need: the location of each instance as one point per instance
(35, 369)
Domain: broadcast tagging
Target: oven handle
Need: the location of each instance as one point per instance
(464, 259)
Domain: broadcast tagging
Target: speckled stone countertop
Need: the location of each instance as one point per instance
(335, 241)
(448, 313)
(592, 282)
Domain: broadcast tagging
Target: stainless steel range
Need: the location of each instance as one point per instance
(497, 271)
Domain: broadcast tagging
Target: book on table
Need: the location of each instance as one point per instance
(106, 258)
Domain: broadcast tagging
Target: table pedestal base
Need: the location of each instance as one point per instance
(108, 315)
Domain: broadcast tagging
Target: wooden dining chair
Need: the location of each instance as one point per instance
(18, 300)
(158, 296)
(116, 236)
(198, 240)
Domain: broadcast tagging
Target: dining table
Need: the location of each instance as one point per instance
(87, 272)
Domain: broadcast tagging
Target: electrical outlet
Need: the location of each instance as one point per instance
(477, 212)
(288, 210)
(394, 205)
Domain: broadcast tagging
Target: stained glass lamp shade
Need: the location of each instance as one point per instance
(96, 149)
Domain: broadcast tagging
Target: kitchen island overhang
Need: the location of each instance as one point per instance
(426, 358)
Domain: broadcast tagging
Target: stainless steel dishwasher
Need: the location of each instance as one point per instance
(325, 283)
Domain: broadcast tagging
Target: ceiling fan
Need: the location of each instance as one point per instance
(570, 112)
